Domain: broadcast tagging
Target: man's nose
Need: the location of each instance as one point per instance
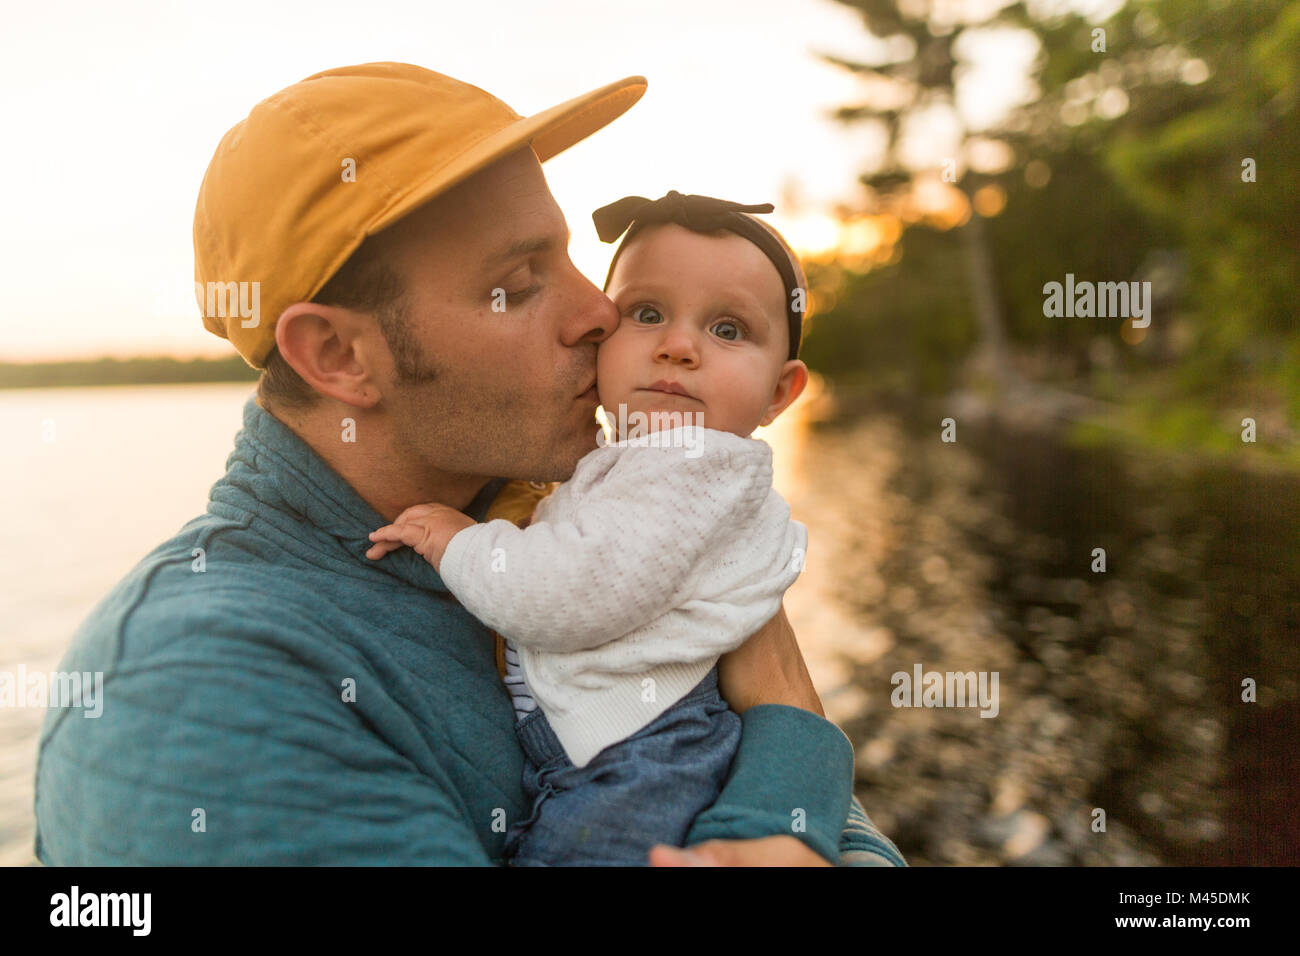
(597, 315)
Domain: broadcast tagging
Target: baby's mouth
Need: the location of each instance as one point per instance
(664, 387)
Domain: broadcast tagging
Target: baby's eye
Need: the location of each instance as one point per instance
(733, 337)
(644, 309)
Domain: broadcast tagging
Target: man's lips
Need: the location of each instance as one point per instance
(589, 395)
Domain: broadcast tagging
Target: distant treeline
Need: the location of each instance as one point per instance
(132, 371)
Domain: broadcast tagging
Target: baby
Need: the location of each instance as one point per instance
(667, 547)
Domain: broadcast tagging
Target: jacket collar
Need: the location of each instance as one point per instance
(276, 477)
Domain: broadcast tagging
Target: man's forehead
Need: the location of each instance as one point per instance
(497, 215)
(555, 235)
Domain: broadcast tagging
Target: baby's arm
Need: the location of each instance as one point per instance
(565, 585)
(426, 528)
(541, 590)
(588, 572)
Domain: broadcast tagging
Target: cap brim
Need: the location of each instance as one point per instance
(549, 132)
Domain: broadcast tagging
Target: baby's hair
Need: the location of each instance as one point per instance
(801, 280)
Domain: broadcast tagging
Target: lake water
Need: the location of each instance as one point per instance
(92, 480)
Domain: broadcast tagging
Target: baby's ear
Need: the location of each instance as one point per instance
(793, 380)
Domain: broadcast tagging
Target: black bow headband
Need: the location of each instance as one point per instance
(706, 214)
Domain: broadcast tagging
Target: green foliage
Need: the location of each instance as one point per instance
(1145, 143)
(1079, 223)
(905, 327)
(1176, 157)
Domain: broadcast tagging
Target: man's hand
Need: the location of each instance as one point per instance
(768, 669)
(767, 851)
(426, 528)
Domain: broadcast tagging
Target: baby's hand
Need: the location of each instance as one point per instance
(426, 528)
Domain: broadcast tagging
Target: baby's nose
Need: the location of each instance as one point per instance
(678, 345)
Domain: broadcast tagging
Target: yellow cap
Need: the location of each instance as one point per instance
(297, 186)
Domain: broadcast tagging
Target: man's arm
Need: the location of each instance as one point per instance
(793, 772)
(224, 751)
(792, 775)
(862, 844)
(745, 827)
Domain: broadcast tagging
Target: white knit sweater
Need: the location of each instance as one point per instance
(660, 554)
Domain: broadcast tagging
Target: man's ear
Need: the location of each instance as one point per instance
(794, 378)
(334, 350)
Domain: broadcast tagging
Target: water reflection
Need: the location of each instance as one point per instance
(1120, 691)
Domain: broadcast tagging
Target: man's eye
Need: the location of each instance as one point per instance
(642, 310)
(730, 338)
(522, 293)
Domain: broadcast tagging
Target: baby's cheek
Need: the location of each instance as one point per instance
(609, 359)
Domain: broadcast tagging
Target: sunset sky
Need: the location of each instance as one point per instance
(112, 113)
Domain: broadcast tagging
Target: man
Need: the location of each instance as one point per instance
(381, 241)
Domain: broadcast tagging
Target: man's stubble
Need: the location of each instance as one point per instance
(486, 429)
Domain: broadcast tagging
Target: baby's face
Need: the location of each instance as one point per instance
(704, 312)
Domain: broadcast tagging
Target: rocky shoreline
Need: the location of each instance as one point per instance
(1105, 701)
